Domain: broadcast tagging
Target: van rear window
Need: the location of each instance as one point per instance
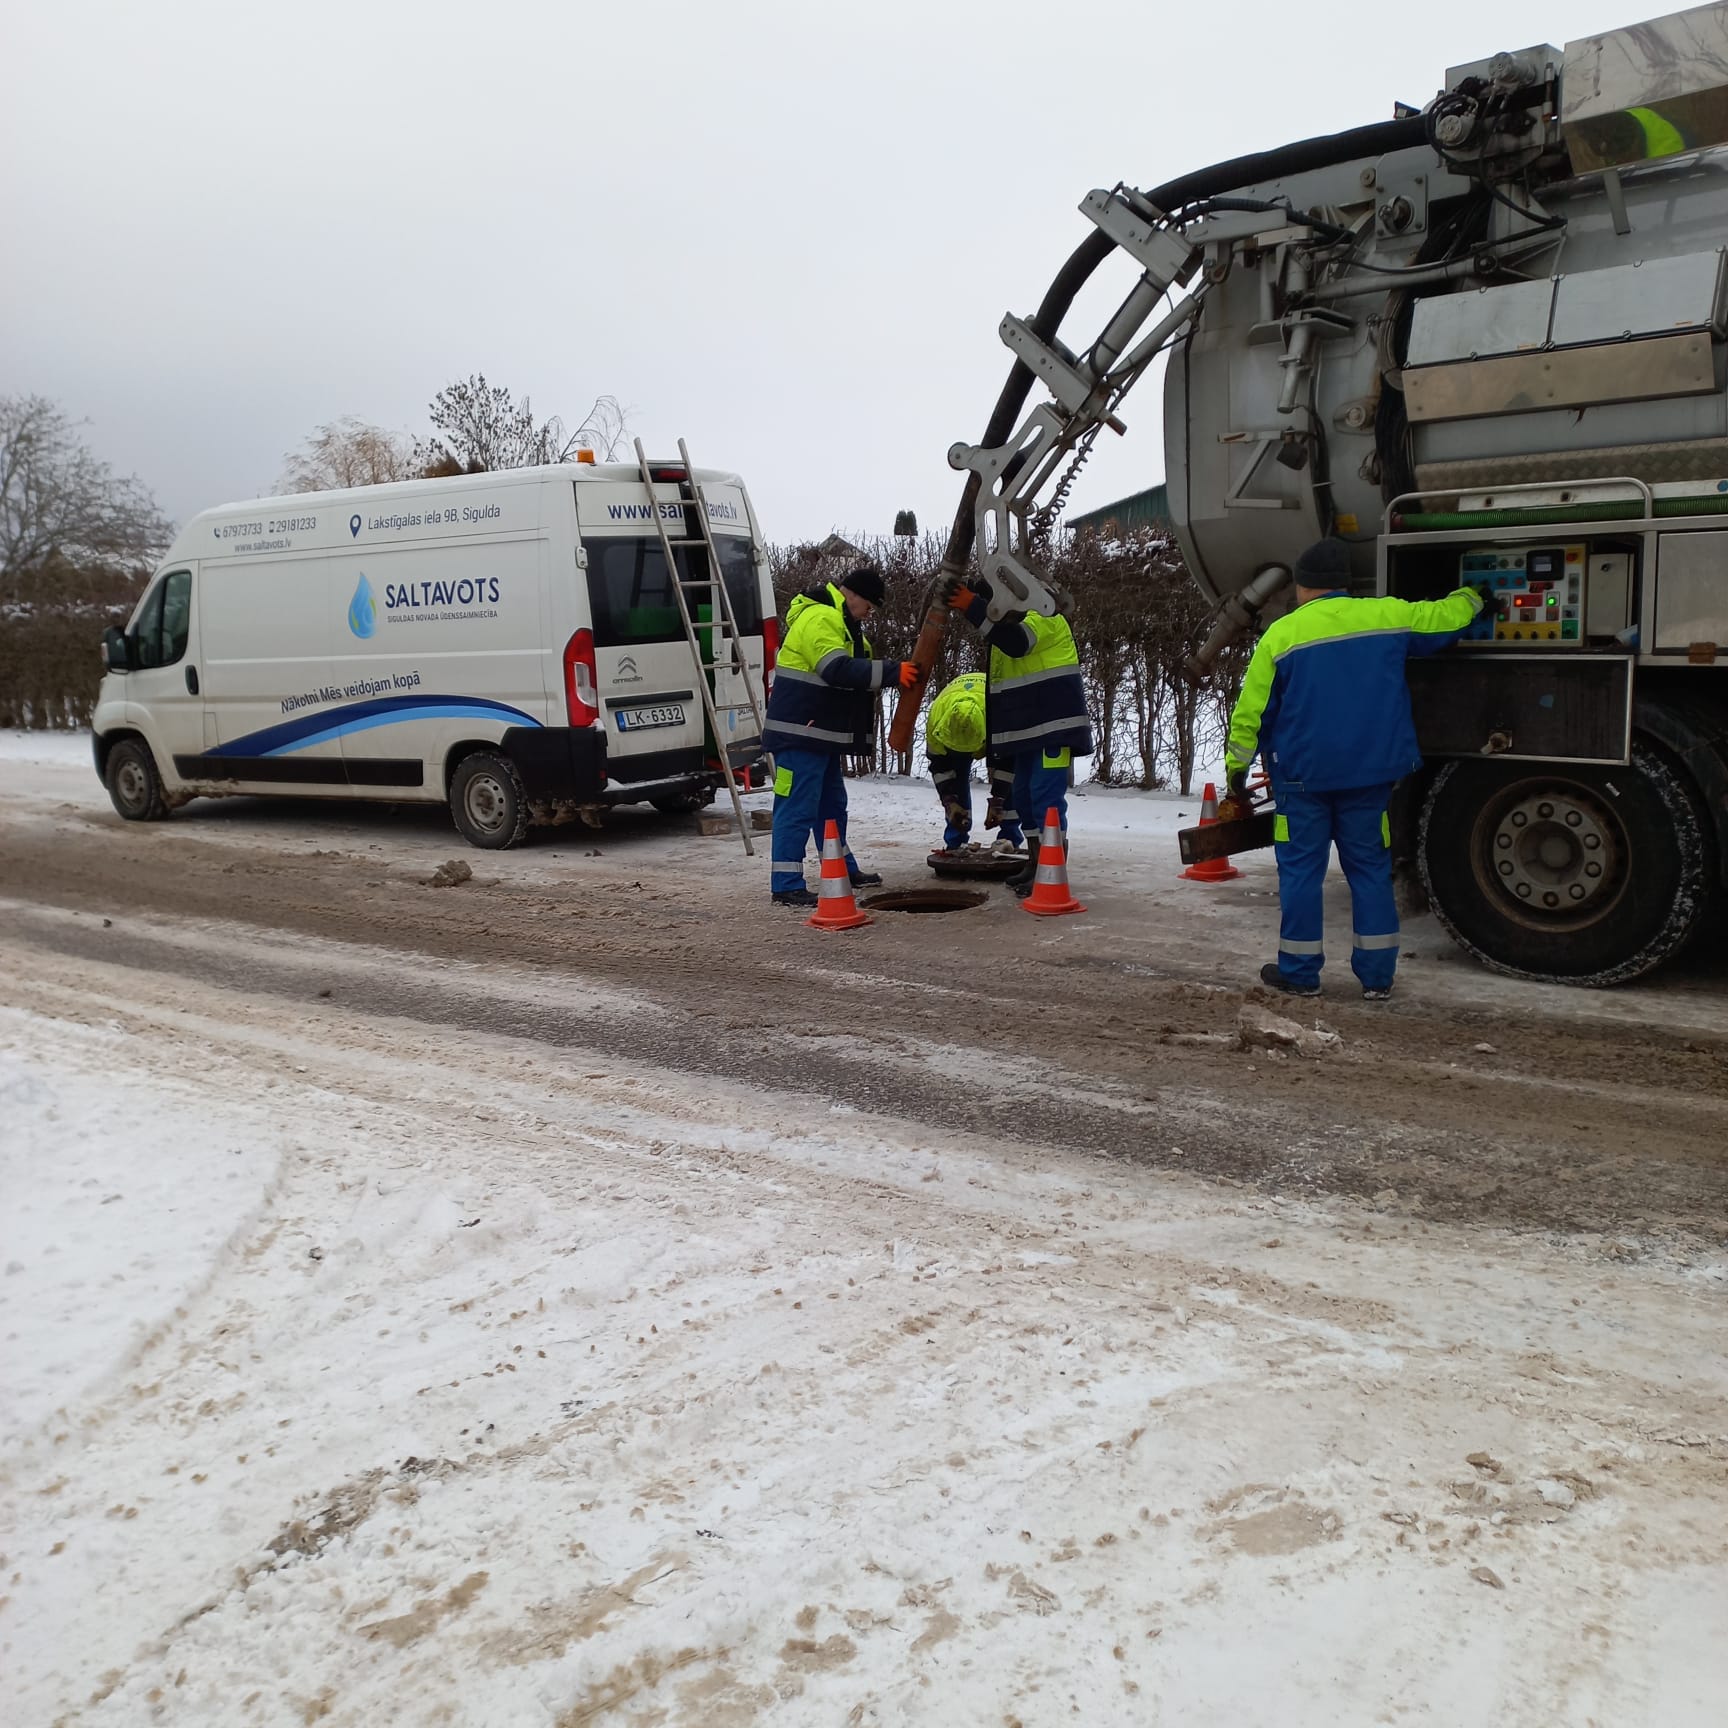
(632, 600)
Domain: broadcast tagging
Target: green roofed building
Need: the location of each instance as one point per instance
(1147, 509)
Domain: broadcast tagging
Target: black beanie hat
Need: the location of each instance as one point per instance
(866, 584)
(1325, 564)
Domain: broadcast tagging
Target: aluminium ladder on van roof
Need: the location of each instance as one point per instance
(722, 627)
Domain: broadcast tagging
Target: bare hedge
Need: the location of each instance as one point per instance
(51, 643)
(1136, 617)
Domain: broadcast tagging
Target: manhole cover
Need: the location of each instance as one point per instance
(977, 862)
(926, 900)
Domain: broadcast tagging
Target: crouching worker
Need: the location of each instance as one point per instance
(1036, 707)
(953, 739)
(822, 709)
(1326, 704)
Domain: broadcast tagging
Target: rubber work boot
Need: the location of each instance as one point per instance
(1023, 878)
(864, 878)
(801, 897)
(1377, 995)
(1273, 979)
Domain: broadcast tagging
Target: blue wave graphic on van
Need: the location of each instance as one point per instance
(363, 609)
(312, 729)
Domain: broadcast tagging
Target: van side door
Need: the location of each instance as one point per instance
(267, 622)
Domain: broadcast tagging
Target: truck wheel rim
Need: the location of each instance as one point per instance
(132, 785)
(484, 803)
(1555, 854)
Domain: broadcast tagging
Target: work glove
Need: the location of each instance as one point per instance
(958, 593)
(1236, 782)
(1485, 593)
(959, 817)
(909, 674)
(993, 813)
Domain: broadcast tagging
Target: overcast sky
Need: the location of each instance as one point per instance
(786, 232)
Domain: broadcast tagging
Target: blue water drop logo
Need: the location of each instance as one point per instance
(363, 609)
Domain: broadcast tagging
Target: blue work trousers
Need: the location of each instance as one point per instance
(809, 792)
(1002, 790)
(1309, 825)
(952, 775)
(1040, 786)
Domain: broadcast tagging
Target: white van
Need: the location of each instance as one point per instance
(507, 643)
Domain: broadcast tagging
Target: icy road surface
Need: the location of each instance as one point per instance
(555, 1301)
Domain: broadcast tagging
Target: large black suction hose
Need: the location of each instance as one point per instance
(1376, 140)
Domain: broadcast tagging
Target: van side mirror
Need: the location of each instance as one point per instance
(115, 653)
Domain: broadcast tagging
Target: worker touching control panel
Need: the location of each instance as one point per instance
(1535, 594)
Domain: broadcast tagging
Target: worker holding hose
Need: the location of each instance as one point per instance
(1326, 705)
(822, 709)
(1037, 709)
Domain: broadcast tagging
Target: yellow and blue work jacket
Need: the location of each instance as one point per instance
(823, 696)
(957, 714)
(1325, 701)
(1037, 700)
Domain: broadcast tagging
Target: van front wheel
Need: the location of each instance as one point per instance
(487, 802)
(133, 783)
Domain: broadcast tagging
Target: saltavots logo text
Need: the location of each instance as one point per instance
(440, 596)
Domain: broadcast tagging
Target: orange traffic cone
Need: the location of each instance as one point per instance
(1210, 869)
(835, 907)
(1050, 894)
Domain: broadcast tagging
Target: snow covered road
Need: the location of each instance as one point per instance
(439, 1366)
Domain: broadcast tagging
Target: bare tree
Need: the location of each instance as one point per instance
(480, 428)
(59, 503)
(348, 452)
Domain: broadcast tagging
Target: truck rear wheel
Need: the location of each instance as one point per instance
(133, 783)
(1566, 872)
(487, 802)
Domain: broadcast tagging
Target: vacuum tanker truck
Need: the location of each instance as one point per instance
(1485, 341)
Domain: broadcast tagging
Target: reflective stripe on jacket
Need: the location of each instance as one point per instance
(1325, 701)
(955, 702)
(1037, 699)
(824, 681)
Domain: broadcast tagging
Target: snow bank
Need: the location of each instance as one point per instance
(48, 749)
(119, 1205)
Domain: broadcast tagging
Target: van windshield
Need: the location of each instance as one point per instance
(632, 600)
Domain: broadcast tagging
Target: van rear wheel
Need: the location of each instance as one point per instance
(487, 802)
(133, 784)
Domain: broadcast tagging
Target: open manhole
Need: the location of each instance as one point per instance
(925, 900)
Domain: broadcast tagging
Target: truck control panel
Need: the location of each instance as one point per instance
(1538, 595)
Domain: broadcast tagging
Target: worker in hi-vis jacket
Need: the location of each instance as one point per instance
(954, 733)
(822, 709)
(1326, 706)
(1036, 704)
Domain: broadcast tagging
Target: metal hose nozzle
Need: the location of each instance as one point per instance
(1238, 612)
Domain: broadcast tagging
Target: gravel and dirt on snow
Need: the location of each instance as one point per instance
(579, 1293)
